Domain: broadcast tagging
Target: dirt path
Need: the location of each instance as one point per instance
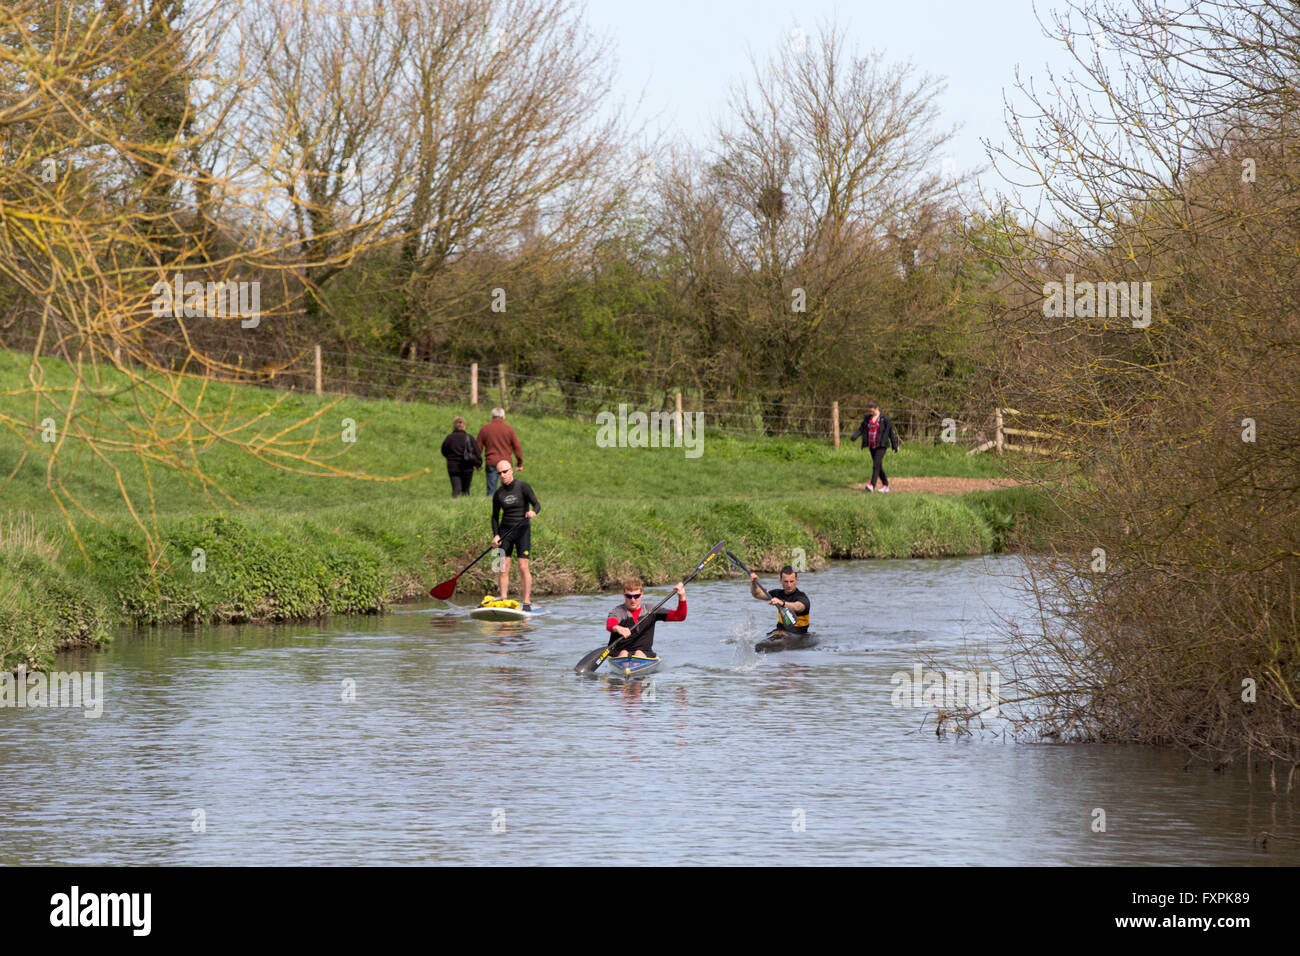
(944, 486)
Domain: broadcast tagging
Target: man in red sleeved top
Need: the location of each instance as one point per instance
(625, 615)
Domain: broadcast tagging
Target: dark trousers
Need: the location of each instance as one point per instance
(645, 643)
(878, 466)
(460, 481)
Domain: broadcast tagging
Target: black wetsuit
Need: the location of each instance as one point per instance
(800, 619)
(509, 505)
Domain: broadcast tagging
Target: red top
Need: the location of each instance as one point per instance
(873, 429)
(676, 614)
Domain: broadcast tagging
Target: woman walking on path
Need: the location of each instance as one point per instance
(878, 435)
(462, 454)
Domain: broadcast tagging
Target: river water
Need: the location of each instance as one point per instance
(476, 743)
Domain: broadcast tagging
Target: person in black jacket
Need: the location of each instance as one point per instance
(462, 454)
(878, 434)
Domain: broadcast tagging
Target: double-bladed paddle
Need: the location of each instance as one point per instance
(784, 613)
(447, 588)
(591, 661)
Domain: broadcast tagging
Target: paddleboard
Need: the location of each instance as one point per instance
(630, 668)
(505, 613)
(779, 640)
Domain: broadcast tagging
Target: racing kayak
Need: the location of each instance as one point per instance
(630, 668)
(778, 639)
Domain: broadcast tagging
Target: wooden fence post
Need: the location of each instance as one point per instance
(501, 372)
(677, 419)
(473, 383)
(835, 423)
(320, 389)
(997, 431)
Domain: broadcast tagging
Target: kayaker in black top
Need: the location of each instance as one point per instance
(625, 616)
(787, 595)
(513, 505)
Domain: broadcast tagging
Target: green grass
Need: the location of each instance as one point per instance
(561, 457)
(292, 545)
(42, 605)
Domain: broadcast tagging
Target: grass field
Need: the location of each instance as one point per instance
(275, 544)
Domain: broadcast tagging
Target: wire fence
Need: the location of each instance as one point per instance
(371, 375)
(492, 385)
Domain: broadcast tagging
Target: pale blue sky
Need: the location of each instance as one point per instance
(682, 56)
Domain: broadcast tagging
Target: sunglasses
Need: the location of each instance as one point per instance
(634, 597)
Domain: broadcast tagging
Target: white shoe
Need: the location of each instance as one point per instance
(886, 488)
(868, 488)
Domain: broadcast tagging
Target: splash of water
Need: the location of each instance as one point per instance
(743, 635)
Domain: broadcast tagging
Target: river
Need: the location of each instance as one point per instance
(470, 743)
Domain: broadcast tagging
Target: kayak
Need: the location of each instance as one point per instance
(631, 668)
(505, 613)
(782, 640)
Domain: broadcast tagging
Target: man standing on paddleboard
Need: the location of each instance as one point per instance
(787, 595)
(626, 615)
(513, 507)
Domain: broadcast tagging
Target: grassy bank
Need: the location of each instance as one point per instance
(274, 545)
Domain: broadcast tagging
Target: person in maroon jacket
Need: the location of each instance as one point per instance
(624, 616)
(498, 441)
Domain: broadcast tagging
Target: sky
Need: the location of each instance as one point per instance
(677, 59)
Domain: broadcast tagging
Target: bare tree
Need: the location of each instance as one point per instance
(128, 237)
(509, 148)
(320, 121)
(1157, 310)
(828, 153)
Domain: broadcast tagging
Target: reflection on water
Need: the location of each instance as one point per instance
(470, 742)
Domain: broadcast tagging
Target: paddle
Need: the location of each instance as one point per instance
(784, 613)
(591, 661)
(447, 588)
